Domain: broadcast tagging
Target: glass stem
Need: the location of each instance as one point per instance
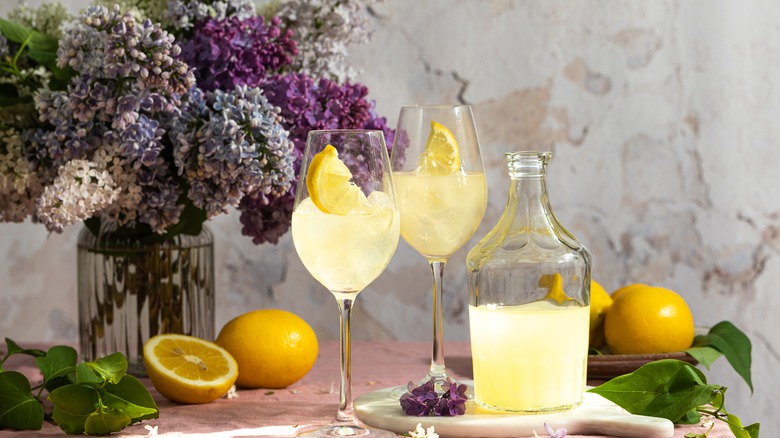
(437, 369)
(346, 411)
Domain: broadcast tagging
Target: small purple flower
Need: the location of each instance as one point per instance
(423, 400)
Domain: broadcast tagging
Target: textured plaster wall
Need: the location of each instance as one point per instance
(662, 118)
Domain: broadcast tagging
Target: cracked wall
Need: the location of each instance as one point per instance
(661, 116)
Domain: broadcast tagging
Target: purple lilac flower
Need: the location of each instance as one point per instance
(305, 105)
(423, 400)
(266, 222)
(236, 52)
(420, 400)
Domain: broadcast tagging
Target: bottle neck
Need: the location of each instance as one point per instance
(528, 191)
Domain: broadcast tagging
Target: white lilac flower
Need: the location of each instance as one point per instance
(324, 29)
(80, 190)
(420, 432)
(183, 14)
(48, 18)
(18, 185)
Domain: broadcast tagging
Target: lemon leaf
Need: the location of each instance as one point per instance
(666, 388)
(733, 343)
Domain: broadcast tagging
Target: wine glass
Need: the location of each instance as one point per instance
(442, 195)
(345, 228)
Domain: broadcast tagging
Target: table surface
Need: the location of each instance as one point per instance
(313, 400)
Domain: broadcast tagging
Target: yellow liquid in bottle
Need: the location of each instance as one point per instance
(529, 358)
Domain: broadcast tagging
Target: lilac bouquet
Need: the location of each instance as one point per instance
(155, 115)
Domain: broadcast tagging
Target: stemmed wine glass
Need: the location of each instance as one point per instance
(345, 227)
(442, 194)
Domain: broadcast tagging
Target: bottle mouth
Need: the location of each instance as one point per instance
(527, 163)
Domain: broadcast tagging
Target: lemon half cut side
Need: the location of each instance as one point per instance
(186, 369)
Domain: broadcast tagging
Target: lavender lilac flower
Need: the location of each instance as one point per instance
(229, 145)
(129, 77)
(423, 400)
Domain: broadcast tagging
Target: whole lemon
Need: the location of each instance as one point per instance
(625, 289)
(600, 301)
(648, 320)
(273, 348)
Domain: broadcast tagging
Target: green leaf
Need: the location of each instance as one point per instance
(133, 411)
(704, 355)
(691, 417)
(739, 431)
(35, 40)
(666, 388)
(11, 101)
(14, 348)
(73, 404)
(105, 421)
(85, 376)
(59, 361)
(42, 57)
(112, 367)
(133, 391)
(19, 409)
(14, 31)
(733, 343)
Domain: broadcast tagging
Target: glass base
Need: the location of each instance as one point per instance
(536, 410)
(345, 430)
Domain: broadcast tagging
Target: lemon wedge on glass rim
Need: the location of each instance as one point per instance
(186, 369)
(329, 185)
(442, 154)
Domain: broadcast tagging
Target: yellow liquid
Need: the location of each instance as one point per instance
(345, 253)
(529, 358)
(439, 213)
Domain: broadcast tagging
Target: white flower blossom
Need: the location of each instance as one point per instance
(80, 189)
(419, 432)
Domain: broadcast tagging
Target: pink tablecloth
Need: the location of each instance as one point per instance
(312, 400)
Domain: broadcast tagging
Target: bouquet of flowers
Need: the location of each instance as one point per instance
(156, 115)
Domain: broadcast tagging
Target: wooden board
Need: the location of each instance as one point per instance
(596, 416)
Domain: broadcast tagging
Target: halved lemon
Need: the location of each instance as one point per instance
(442, 154)
(329, 185)
(186, 369)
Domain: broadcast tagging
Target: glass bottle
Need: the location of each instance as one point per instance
(131, 288)
(529, 297)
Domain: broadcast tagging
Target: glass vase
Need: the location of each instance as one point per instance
(529, 296)
(132, 287)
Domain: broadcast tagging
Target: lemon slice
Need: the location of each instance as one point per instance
(329, 185)
(186, 369)
(441, 155)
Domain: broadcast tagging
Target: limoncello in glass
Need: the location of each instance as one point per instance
(346, 252)
(439, 213)
(529, 297)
